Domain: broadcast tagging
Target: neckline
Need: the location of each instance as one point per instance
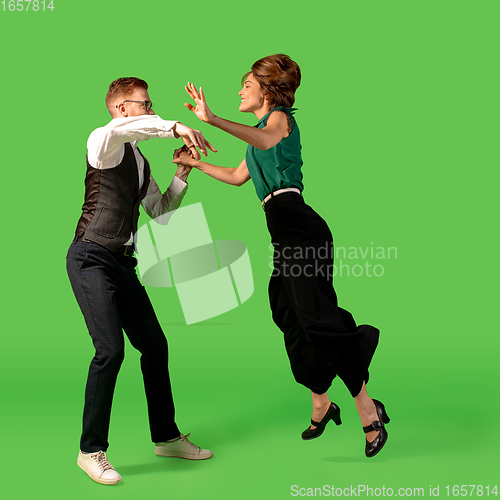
(278, 108)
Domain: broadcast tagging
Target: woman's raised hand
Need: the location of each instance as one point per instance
(201, 110)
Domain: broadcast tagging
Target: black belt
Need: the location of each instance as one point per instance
(127, 250)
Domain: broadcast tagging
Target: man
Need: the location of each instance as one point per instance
(101, 268)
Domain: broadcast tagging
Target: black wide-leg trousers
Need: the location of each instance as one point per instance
(322, 340)
(112, 299)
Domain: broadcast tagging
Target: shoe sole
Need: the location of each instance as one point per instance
(187, 457)
(97, 480)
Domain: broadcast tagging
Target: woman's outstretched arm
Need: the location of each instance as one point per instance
(275, 130)
(234, 176)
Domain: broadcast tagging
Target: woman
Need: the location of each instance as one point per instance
(321, 339)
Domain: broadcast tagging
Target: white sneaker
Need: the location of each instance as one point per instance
(182, 448)
(98, 468)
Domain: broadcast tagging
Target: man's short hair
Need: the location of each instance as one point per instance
(123, 87)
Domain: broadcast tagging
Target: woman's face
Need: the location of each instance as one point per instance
(252, 97)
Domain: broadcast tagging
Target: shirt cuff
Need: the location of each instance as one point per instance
(169, 132)
(177, 186)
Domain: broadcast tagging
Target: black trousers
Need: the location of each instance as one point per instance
(322, 340)
(111, 298)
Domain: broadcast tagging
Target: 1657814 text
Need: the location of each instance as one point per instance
(27, 5)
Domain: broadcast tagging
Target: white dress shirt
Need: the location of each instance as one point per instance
(105, 149)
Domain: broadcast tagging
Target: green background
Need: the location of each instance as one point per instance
(398, 110)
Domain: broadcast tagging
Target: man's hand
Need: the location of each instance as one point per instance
(201, 110)
(193, 139)
(182, 170)
(184, 157)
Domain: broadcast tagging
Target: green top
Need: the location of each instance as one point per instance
(280, 166)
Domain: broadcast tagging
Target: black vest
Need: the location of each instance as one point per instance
(112, 199)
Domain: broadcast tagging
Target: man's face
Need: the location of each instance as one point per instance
(134, 108)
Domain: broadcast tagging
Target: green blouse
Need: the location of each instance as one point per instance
(278, 167)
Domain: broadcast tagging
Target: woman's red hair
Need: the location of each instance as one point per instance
(279, 76)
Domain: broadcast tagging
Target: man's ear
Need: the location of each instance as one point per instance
(121, 110)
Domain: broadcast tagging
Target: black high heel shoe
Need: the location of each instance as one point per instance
(371, 449)
(333, 413)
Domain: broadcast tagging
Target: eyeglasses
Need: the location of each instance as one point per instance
(147, 105)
